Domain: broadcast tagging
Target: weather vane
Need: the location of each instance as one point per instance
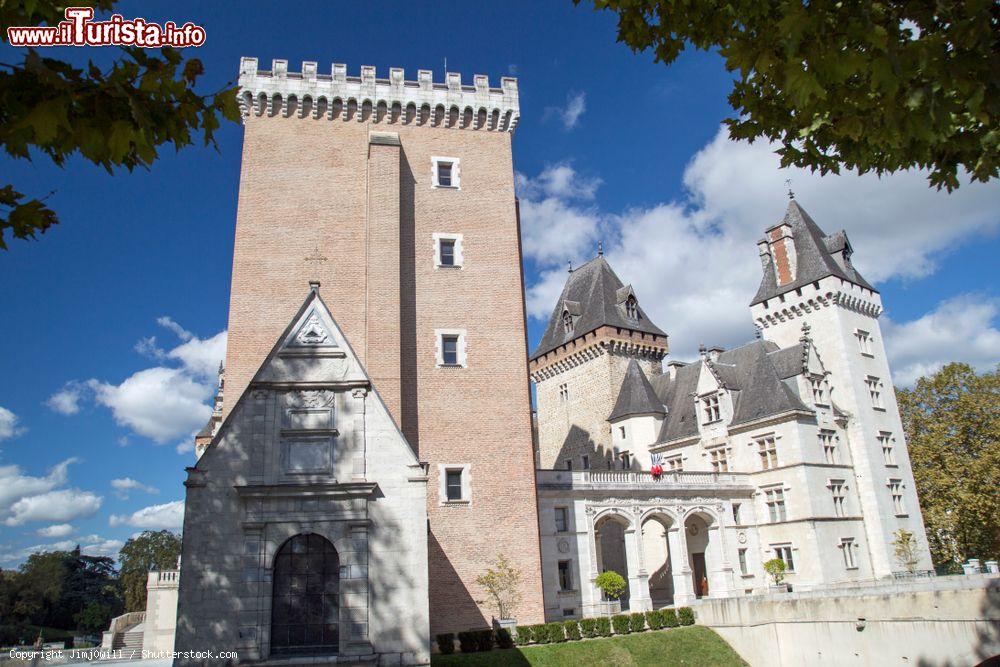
(788, 184)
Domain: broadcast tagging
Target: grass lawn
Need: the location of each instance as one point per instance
(694, 646)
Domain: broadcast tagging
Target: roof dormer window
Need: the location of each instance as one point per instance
(567, 321)
(631, 308)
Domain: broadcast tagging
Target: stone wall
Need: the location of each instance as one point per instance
(161, 611)
(948, 621)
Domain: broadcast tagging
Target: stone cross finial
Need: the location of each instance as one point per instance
(570, 263)
(600, 248)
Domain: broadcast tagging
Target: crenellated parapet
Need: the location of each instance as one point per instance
(367, 98)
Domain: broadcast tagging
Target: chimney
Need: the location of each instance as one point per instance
(672, 367)
(714, 352)
(782, 250)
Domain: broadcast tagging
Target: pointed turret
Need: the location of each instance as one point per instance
(636, 396)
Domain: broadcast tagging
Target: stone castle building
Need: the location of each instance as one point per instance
(373, 453)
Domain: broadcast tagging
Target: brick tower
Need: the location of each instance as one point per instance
(398, 197)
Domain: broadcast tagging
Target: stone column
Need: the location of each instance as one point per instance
(680, 565)
(718, 569)
(638, 580)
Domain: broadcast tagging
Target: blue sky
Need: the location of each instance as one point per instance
(610, 147)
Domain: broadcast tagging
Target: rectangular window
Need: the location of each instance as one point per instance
(736, 513)
(710, 408)
(445, 172)
(818, 385)
(675, 464)
(775, 500)
(875, 391)
(742, 553)
(453, 484)
(569, 464)
(621, 431)
(885, 440)
(561, 517)
(896, 491)
(784, 552)
(828, 439)
(447, 248)
(586, 461)
(564, 392)
(767, 447)
(626, 461)
(847, 546)
(565, 576)
(720, 459)
(449, 350)
(836, 487)
(864, 342)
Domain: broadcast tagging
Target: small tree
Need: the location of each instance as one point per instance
(611, 584)
(503, 584)
(906, 549)
(776, 569)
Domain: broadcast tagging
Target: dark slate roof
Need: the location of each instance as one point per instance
(817, 256)
(759, 376)
(636, 396)
(595, 297)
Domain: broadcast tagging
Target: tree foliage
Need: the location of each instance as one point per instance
(906, 550)
(159, 549)
(952, 424)
(872, 86)
(114, 118)
(611, 584)
(503, 584)
(776, 569)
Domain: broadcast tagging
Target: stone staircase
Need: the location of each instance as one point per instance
(130, 639)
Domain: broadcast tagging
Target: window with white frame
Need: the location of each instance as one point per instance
(885, 440)
(720, 459)
(836, 487)
(675, 464)
(736, 513)
(569, 464)
(847, 546)
(445, 172)
(448, 250)
(896, 491)
(828, 439)
(864, 342)
(774, 498)
(626, 461)
(562, 520)
(585, 461)
(567, 322)
(565, 576)
(818, 385)
(631, 308)
(767, 448)
(451, 348)
(710, 409)
(784, 553)
(742, 554)
(564, 392)
(455, 484)
(875, 391)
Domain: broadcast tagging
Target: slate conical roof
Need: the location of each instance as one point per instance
(636, 396)
(817, 256)
(594, 296)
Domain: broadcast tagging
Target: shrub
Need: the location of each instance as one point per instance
(524, 635)
(670, 619)
(654, 619)
(467, 641)
(621, 623)
(611, 584)
(776, 569)
(484, 639)
(638, 622)
(588, 627)
(504, 638)
(446, 643)
(685, 615)
(572, 629)
(603, 626)
(555, 632)
(540, 633)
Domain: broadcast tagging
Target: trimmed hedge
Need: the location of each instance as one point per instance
(654, 619)
(588, 627)
(555, 632)
(621, 623)
(572, 629)
(670, 618)
(524, 635)
(467, 642)
(540, 634)
(685, 615)
(504, 638)
(602, 626)
(446, 643)
(638, 622)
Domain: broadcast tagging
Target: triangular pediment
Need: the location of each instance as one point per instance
(312, 332)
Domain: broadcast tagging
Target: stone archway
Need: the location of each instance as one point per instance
(657, 559)
(701, 551)
(305, 603)
(611, 550)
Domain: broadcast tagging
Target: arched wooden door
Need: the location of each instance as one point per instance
(305, 603)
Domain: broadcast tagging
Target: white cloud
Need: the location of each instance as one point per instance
(125, 484)
(102, 548)
(18, 555)
(185, 447)
(66, 401)
(569, 115)
(958, 329)
(9, 427)
(179, 331)
(62, 505)
(168, 516)
(15, 485)
(694, 262)
(201, 357)
(55, 530)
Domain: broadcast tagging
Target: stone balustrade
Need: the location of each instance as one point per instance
(635, 479)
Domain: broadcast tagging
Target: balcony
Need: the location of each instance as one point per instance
(634, 480)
